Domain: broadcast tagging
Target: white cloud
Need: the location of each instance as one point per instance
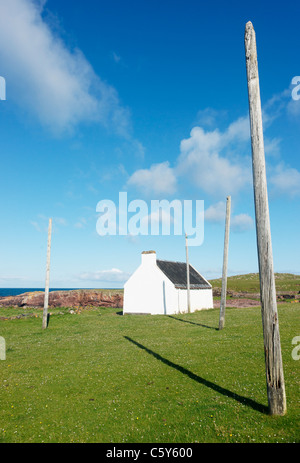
(56, 84)
(209, 117)
(241, 223)
(274, 108)
(159, 179)
(294, 106)
(42, 222)
(116, 57)
(81, 223)
(216, 212)
(238, 130)
(217, 162)
(272, 146)
(35, 225)
(202, 162)
(78, 225)
(285, 180)
(112, 275)
(60, 221)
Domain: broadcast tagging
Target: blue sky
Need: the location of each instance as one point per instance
(149, 98)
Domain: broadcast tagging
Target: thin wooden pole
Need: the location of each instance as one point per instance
(46, 298)
(187, 275)
(273, 358)
(225, 262)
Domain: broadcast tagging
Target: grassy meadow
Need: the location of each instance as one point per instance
(250, 282)
(100, 376)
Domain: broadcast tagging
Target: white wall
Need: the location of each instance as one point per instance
(145, 291)
(199, 298)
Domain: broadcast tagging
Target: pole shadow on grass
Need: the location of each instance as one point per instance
(221, 390)
(193, 323)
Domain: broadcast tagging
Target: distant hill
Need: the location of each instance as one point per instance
(285, 282)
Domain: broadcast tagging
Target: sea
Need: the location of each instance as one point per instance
(16, 291)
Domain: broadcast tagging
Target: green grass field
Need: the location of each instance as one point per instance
(103, 377)
(250, 282)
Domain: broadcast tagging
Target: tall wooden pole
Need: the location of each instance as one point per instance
(46, 298)
(225, 262)
(273, 359)
(187, 275)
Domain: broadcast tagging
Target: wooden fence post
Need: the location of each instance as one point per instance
(46, 298)
(225, 262)
(273, 359)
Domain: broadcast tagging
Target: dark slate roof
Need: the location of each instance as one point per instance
(176, 272)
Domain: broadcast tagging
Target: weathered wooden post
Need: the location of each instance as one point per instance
(46, 298)
(273, 359)
(225, 262)
(187, 275)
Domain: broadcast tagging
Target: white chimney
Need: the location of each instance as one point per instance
(149, 258)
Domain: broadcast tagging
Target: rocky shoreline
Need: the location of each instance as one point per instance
(70, 298)
(105, 298)
(244, 299)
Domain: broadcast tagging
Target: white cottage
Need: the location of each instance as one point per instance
(160, 287)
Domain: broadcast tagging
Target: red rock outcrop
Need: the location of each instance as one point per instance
(72, 298)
